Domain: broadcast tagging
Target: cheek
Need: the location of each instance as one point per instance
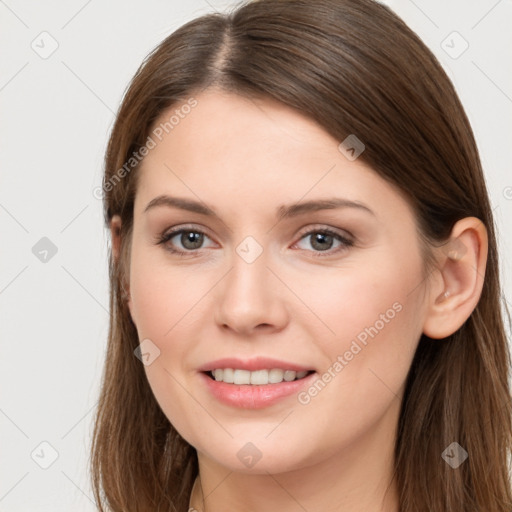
(367, 323)
(160, 293)
(343, 302)
(161, 304)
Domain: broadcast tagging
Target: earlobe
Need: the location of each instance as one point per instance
(462, 263)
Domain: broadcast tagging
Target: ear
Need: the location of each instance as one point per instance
(115, 231)
(456, 288)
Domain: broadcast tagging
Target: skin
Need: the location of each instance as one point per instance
(245, 158)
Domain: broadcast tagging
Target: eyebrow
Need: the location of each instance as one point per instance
(282, 212)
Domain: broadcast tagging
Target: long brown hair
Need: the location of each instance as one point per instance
(354, 67)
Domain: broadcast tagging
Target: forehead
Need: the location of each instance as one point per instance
(247, 151)
(221, 119)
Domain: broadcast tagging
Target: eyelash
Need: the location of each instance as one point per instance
(165, 237)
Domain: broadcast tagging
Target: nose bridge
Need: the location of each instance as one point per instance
(248, 296)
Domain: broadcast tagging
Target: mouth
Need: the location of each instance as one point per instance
(257, 389)
(254, 383)
(262, 377)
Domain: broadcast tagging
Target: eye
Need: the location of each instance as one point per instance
(322, 240)
(190, 239)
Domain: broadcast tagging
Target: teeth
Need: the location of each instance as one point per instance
(275, 376)
(228, 375)
(289, 375)
(258, 378)
(241, 376)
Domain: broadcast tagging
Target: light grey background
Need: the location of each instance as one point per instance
(56, 113)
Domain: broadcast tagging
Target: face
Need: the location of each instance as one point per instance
(250, 275)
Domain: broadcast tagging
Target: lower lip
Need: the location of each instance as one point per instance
(251, 396)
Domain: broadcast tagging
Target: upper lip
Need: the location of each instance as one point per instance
(254, 364)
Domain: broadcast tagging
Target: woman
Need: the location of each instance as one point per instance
(304, 276)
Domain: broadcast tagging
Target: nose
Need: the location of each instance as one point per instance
(251, 299)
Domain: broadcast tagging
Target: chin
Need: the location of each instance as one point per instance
(262, 457)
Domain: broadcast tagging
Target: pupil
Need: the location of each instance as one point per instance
(189, 237)
(322, 238)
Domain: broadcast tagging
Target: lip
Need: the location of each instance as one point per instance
(250, 396)
(254, 364)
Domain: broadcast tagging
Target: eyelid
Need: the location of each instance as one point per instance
(304, 231)
(346, 241)
(343, 233)
(186, 227)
